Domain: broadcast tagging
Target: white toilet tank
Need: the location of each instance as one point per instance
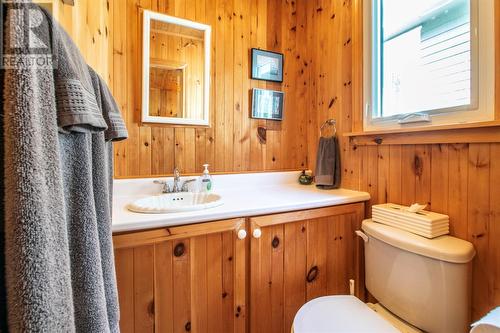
(424, 281)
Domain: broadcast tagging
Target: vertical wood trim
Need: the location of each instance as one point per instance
(164, 299)
(124, 263)
(357, 65)
(144, 288)
(497, 60)
(478, 224)
(494, 231)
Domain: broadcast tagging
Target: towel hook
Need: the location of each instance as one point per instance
(329, 122)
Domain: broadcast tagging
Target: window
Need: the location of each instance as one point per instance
(428, 62)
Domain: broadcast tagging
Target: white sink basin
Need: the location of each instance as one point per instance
(175, 203)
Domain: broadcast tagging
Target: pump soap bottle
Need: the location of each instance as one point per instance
(205, 180)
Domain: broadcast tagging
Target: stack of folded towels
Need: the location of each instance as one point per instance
(412, 219)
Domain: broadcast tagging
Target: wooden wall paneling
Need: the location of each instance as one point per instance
(189, 151)
(144, 289)
(302, 80)
(478, 224)
(497, 60)
(494, 226)
(199, 283)
(439, 178)
(458, 166)
(294, 288)
(312, 114)
(132, 48)
(423, 174)
(153, 150)
(215, 282)
(394, 186)
(181, 267)
(229, 308)
(245, 105)
(219, 88)
(124, 261)
(164, 284)
(238, 95)
(261, 283)
(370, 166)
(383, 173)
(357, 56)
(119, 79)
(228, 131)
(317, 250)
(408, 174)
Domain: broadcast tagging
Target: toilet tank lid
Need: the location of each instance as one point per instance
(445, 248)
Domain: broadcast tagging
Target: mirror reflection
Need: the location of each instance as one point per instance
(177, 66)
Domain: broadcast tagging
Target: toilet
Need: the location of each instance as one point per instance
(421, 285)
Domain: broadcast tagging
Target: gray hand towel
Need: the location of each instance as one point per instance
(328, 170)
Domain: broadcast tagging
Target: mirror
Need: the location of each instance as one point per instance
(176, 70)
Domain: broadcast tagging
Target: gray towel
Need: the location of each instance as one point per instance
(60, 267)
(328, 170)
(39, 291)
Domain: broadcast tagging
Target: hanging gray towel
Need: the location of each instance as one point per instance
(58, 125)
(327, 175)
(37, 261)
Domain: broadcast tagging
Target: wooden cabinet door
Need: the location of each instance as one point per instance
(300, 256)
(182, 279)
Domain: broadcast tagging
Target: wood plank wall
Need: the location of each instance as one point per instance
(231, 143)
(87, 22)
(462, 180)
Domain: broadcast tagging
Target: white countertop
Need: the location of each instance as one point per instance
(243, 195)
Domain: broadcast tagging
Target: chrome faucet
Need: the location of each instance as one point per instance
(177, 179)
(175, 188)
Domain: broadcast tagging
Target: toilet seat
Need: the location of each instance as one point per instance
(339, 314)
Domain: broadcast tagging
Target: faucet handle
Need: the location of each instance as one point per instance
(184, 187)
(165, 188)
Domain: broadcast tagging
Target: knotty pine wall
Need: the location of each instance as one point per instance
(87, 22)
(461, 180)
(231, 143)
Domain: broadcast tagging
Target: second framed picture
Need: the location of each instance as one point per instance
(267, 104)
(267, 65)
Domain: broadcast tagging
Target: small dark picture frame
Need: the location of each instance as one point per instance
(267, 65)
(267, 104)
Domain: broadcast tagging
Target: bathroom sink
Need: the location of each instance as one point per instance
(175, 203)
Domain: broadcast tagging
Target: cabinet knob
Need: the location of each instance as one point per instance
(242, 234)
(257, 233)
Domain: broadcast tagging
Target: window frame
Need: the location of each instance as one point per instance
(482, 106)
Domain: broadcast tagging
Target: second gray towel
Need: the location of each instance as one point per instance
(328, 170)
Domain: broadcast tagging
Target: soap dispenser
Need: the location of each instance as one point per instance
(205, 180)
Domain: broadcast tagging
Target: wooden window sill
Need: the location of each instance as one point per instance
(462, 133)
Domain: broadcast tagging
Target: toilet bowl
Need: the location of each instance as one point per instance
(345, 313)
(421, 285)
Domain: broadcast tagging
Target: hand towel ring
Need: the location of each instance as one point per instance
(329, 122)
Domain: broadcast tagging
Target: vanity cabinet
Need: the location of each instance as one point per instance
(298, 256)
(211, 277)
(182, 279)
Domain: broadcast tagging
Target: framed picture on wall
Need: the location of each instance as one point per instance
(267, 65)
(267, 104)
